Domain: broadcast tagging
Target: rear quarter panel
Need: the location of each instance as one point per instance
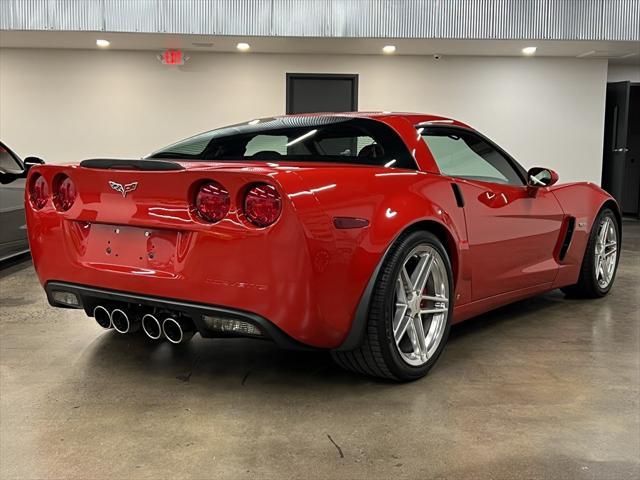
(393, 201)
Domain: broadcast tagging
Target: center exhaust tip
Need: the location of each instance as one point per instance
(151, 326)
(120, 321)
(102, 317)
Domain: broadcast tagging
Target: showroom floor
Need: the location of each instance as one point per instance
(546, 387)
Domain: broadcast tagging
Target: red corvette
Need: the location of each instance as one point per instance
(364, 234)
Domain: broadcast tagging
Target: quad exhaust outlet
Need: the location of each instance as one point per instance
(176, 330)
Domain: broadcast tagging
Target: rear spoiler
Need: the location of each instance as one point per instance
(114, 164)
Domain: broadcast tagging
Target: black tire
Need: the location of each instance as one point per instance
(378, 355)
(588, 286)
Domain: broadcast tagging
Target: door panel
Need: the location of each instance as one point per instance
(512, 236)
(13, 234)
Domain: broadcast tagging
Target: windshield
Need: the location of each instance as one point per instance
(298, 138)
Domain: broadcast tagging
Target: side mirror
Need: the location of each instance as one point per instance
(541, 177)
(30, 162)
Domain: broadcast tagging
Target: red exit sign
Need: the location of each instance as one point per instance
(172, 57)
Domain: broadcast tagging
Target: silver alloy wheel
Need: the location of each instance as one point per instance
(421, 305)
(606, 251)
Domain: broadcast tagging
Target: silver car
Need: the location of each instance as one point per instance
(13, 229)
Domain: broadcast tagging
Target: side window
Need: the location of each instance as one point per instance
(7, 162)
(465, 155)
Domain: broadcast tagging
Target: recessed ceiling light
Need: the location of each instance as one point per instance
(529, 50)
(243, 47)
(102, 43)
(388, 49)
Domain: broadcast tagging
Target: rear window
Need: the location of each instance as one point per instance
(309, 139)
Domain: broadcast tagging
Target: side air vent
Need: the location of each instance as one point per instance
(146, 165)
(458, 194)
(571, 224)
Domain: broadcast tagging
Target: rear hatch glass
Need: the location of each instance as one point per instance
(298, 138)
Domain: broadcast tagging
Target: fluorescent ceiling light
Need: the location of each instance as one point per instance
(529, 50)
(302, 137)
(243, 47)
(102, 43)
(388, 49)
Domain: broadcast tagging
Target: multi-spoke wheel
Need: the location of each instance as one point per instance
(600, 259)
(421, 305)
(410, 310)
(606, 252)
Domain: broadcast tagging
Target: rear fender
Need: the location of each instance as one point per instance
(347, 262)
(446, 232)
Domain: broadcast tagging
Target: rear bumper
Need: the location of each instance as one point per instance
(301, 273)
(259, 272)
(90, 297)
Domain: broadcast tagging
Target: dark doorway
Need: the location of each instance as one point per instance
(317, 92)
(621, 156)
(631, 187)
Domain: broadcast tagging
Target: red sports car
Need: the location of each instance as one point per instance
(366, 234)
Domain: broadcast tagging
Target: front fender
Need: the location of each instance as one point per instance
(583, 201)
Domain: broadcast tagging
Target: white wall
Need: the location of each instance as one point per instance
(73, 104)
(623, 73)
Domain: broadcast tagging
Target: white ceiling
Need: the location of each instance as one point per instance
(616, 52)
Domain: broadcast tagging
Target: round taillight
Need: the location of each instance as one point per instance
(64, 192)
(262, 204)
(212, 202)
(38, 191)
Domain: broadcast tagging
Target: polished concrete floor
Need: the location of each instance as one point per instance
(545, 388)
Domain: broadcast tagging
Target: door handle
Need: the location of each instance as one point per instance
(619, 150)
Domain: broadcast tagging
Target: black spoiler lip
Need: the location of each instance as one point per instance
(117, 164)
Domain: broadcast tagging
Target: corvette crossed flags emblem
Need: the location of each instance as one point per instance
(123, 189)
